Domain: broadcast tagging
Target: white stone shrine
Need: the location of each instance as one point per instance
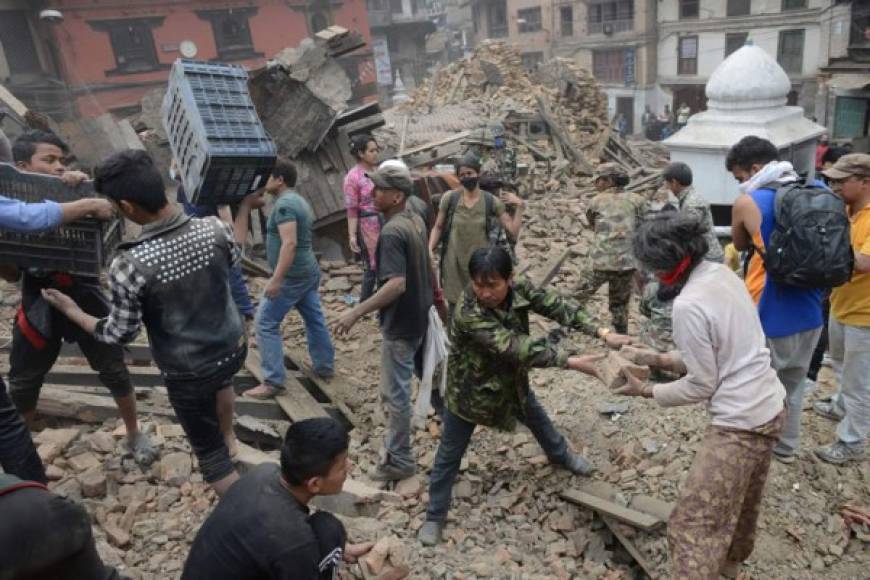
(746, 95)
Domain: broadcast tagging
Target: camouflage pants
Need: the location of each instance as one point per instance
(619, 284)
(656, 328)
(717, 512)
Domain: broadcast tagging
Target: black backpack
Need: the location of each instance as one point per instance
(495, 233)
(811, 245)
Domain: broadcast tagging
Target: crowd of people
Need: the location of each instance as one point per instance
(744, 348)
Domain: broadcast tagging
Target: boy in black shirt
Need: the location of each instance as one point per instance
(262, 528)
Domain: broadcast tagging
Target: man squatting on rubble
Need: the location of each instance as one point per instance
(33, 518)
(263, 528)
(153, 279)
(491, 354)
(39, 331)
(722, 354)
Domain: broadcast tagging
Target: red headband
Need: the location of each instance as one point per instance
(671, 277)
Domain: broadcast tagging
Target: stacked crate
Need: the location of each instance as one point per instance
(221, 149)
(82, 248)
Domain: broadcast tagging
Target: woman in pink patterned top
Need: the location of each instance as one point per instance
(363, 220)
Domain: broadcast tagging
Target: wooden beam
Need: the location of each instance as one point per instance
(82, 375)
(294, 361)
(296, 402)
(59, 401)
(551, 269)
(135, 351)
(460, 76)
(559, 133)
(430, 98)
(629, 546)
(605, 507)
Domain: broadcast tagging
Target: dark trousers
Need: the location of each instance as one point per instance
(454, 441)
(29, 364)
(17, 453)
(47, 537)
(368, 284)
(331, 538)
(195, 405)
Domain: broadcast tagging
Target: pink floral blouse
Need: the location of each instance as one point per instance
(359, 197)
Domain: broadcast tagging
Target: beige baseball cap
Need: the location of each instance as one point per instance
(848, 165)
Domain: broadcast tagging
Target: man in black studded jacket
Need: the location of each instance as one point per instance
(174, 278)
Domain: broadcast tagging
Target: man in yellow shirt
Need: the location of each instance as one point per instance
(849, 328)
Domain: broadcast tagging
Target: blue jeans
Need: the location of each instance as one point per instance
(454, 441)
(397, 366)
(304, 295)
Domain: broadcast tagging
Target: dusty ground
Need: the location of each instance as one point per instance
(507, 520)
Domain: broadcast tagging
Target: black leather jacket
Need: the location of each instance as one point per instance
(193, 325)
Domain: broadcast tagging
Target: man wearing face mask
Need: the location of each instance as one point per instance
(468, 219)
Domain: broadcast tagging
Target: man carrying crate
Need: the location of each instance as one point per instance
(38, 332)
(17, 453)
(174, 278)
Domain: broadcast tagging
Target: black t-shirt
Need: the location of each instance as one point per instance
(258, 531)
(403, 252)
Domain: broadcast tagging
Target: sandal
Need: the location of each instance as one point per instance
(263, 392)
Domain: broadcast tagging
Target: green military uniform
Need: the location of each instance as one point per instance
(614, 216)
(491, 353)
(656, 329)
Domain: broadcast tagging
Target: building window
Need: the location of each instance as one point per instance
(687, 55)
(790, 54)
(613, 65)
(531, 60)
(496, 19)
(17, 43)
(132, 43)
(529, 19)
(610, 17)
(396, 6)
(793, 4)
(735, 40)
(689, 9)
(738, 7)
(566, 17)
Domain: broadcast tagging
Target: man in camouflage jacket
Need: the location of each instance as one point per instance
(491, 354)
(614, 215)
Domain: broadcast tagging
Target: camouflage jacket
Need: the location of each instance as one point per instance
(691, 202)
(614, 215)
(491, 353)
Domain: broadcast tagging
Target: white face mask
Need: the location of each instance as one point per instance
(173, 174)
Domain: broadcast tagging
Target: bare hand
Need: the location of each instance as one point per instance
(353, 552)
(511, 198)
(634, 387)
(345, 323)
(272, 288)
(103, 210)
(73, 178)
(59, 300)
(616, 341)
(354, 245)
(586, 364)
(255, 200)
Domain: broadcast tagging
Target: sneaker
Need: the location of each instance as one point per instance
(782, 457)
(578, 465)
(388, 472)
(840, 452)
(430, 533)
(263, 392)
(827, 410)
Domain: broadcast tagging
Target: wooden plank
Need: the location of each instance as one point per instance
(294, 360)
(460, 76)
(629, 546)
(603, 140)
(558, 131)
(297, 403)
(629, 516)
(58, 401)
(430, 99)
(403, 135)
(136, 351)
(83, 375)
(12, 102)
(551, 269)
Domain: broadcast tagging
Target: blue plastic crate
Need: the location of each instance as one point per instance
(222, 151)
(82, 248)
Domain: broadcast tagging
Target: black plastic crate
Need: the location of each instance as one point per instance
(222, 151)
(82, 248)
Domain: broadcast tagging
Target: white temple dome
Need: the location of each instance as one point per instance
(748, 79)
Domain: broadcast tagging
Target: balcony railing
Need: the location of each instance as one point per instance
(614, 26)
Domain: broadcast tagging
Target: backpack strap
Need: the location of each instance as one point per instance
(489, 208)
(452, 202)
